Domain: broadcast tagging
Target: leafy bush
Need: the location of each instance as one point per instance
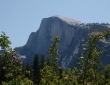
(88, 71)
(10, 65)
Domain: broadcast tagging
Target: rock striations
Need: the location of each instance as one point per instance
(72, 35)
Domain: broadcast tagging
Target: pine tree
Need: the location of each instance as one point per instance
(28, 66)
(42, 62)
(27, 70)
(36, 69)
(50, 74)
(23, 67)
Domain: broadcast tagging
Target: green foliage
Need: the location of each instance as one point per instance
(19, 81)
(88, 72)
(52, 60)
(36, 69)
(4, 42)
(10, 65)
(52, 74)
(28, 71)
(42, 62)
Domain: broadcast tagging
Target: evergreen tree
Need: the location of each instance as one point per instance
(42, 62)
(27, 70)
(51, 71)
(28, 67)
(23, 67)
(31, 72)
(36, 69)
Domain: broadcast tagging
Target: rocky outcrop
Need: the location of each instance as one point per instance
(40, 40)
(72, 37)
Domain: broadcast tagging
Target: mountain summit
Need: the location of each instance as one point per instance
(73, 34)
(68, 20)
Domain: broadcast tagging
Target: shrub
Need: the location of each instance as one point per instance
(10, 65)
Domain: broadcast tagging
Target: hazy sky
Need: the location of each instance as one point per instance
(18, 18)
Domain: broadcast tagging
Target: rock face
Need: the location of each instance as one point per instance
(72, 35)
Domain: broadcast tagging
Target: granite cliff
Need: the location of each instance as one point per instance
(73, 34)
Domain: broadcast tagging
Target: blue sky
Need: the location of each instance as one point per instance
(18, 18)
